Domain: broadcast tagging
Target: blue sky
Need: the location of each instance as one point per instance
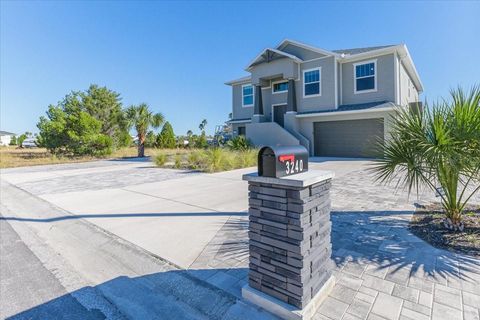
(176, 56)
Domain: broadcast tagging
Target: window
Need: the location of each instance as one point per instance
(311, 82)
(247, 95)
(365, 80)
(241, 131)
(280, 87)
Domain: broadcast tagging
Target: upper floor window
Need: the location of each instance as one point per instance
(311, 82)
(247, 95)
(365, 76)
(279, 87)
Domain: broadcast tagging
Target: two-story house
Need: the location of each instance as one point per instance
(335, 103)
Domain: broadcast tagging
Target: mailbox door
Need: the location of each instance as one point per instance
(291, 163)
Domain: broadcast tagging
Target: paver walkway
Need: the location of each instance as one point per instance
(383, 271)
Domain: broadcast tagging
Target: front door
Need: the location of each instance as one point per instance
(278, 112)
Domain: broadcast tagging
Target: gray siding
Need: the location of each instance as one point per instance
(238, 111)
(327, 99)
(385, 82)
(407, 90)
(284, 67)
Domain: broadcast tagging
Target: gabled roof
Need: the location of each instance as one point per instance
(6, 133)
(361, 50)
(286, 42)
(270, 54)
(342, 55)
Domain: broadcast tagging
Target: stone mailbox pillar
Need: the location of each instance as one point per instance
(289, 243)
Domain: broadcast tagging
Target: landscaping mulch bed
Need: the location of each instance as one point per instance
(427, 224)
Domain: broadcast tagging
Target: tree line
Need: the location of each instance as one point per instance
(94, 122)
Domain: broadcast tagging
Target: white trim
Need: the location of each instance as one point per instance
(413, 69)
(276, 105)
(396, 79)
(319, 82)
(374, 61)
(245, 79)
(315, 59)
(336, 82)
(288, 55)
(370, 54)
(279, 81)
(336, 113)
(253, 96)
(238, 121)
(341, 83)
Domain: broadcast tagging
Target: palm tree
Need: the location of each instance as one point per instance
(142, 119)
(438, 148)
(203, 124)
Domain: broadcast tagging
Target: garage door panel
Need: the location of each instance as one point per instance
(348, 138)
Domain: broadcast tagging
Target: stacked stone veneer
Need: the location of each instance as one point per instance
(289, 240)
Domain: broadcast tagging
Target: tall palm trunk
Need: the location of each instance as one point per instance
(141, 146)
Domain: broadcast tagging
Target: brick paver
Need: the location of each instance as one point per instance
(383, 271)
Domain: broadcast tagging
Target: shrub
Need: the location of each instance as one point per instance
(178, 161)
(194, 159)
(166, 138)
(239, 143)
(160, 159)
(217, 159)
(13, 141)
(201, 140)
(246, 158)
(69, 131)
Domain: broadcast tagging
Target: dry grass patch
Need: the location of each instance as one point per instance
(11, 157)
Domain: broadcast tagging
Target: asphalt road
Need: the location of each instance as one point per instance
(28, 290)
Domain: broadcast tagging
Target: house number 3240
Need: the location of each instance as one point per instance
(294, 166)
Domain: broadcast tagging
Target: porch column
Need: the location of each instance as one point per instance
(258, 104)
(291, 98)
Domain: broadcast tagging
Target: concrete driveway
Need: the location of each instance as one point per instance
(198, 222)
(173, 214)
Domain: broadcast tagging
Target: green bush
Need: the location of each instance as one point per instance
(13, 141)
(194, 159)
(166, 138)
(239, 143)
(178, 161)
(68, 131)
(246, 158)
(212, 160)
(160, 159)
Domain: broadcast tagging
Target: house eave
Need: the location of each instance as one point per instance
(242, 80)
(285, 42)
(239, 121)
(392, 107)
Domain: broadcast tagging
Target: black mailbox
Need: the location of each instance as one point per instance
(282, 161)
